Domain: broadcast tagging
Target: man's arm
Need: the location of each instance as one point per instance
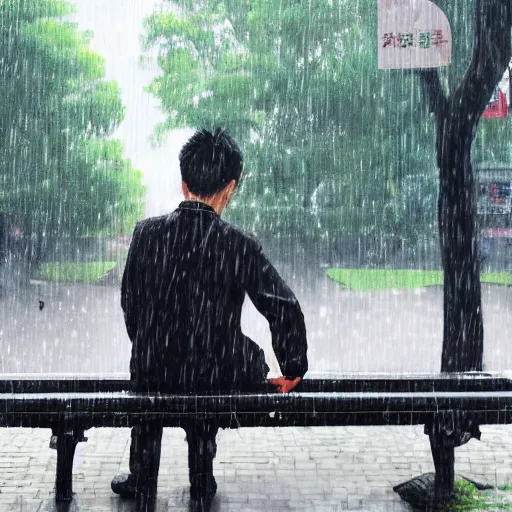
(130, 287)
(277, 303)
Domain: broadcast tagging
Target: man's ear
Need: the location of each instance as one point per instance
(230, 188)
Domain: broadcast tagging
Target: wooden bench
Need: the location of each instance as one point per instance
(69, 405)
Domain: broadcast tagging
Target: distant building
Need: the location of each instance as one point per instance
(494, 210)
(494, 199)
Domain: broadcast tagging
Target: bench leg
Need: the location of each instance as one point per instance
(444, 464)
(66, 444)
(150, 439)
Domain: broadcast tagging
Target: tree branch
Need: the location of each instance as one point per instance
(433, 91)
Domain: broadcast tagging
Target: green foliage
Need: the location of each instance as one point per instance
(377, 279)
(331, 143)
(59, 174)
(468, 497)
(74, 272)
(327, 137)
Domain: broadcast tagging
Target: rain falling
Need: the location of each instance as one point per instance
(236, 216)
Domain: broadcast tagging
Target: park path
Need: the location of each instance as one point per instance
(257, 469)
(81, 328)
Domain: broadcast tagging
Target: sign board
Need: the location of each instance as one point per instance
(500, 101)
(495, 197)
(497, 107)
(413, 34)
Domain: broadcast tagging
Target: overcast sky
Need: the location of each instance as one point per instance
(117, 28)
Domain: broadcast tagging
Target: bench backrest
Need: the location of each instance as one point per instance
(315, 383)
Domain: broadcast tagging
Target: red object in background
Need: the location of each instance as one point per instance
(499, 232)
(497, 107)
(499, 193)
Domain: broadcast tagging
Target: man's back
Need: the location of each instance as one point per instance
(183, 289)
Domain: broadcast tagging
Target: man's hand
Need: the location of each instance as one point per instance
(283, 384)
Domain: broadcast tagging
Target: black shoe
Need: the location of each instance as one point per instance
(125, 485)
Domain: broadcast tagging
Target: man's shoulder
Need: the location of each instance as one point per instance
(239, 235)
(153, 222)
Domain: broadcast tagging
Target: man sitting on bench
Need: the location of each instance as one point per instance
(183, 287)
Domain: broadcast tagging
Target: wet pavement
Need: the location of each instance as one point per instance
(257, 469)
(81, 329)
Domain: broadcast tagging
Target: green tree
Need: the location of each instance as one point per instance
(324, 130)
(328, 139)
(59, 173)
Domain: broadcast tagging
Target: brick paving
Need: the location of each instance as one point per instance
(259, 469)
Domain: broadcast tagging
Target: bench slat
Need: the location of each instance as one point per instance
(54, 383)
(98, 403)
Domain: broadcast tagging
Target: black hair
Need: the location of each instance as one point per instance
(209, 162)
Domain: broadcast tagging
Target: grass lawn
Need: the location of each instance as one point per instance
(468, 497)
(372, 279)
(74, 272)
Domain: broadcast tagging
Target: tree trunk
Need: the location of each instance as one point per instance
(457, 118)
(463, 322)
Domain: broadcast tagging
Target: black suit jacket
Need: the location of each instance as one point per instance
(183, 287)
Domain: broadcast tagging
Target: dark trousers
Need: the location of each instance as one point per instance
(146, 440)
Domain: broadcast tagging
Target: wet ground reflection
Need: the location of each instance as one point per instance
(81, 328)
